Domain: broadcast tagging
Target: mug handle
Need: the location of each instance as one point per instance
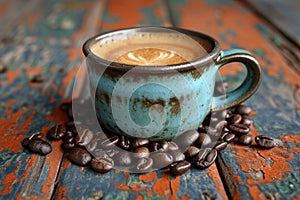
(248, 86)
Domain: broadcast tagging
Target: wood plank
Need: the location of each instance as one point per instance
(283, 14)
(81, 182)
(252, 173)
(35, 40)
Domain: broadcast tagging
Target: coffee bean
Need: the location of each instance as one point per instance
(172, 146)
(224, 134)
(39, 146)
(203, 140)
(99, 153)
(186, 139)
(112, 152)
(155, 146)
(57, 132)
(70, 125)
(245, 140)
(68, 145)
(264, 141)
(124, 143)
(221, 125)
(246, 120)
(109, 142)
(123, 158)
(234, 119)
(177, 155)
(161, 159)
(239, 129)
(79, 156)
(84, 137)
(141, 152)
(139, 142)
(68, 135)
(144, 165)
(165, 145)
(205, 158)
(25, 142)
(243, 109)
(180, 167)
(191, 151)
(229, 137)
(219, 146)
(102, 165)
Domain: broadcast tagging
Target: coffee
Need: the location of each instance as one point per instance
(151, 48)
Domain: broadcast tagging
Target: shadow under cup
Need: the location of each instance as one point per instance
(156, 83)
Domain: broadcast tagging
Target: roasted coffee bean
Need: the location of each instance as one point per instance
(68, 135)
(102, 165)
(99, 153)
(70, 125)
(112, 152)
(68, 145)
(246, 120)
(109, 142)
(144, 165)
(221, 125)
(229, 137)
(180, 167)
(25, 142)
(203, 140)
(139, 142)
(79, 156)
(124, 142)
(57, 132)
(155, 146)
(161, 159)
(39, 146)
(243, 109)
(239, 129)
(224, 134)
(205, 158)
(65, 106)
(234, 119)
(219, 146)
(84, 137)
(123, 158)
(191, 151)
(177, 155)
(245, 140)
(186, 139)
(172, 146)
(165, 145)
(264, 141)
(141, 152)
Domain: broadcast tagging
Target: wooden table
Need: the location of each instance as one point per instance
(45, 37)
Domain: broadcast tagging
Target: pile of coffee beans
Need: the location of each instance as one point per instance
(105, 151)
(194, 148)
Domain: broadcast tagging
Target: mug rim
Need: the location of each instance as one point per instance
(208, 58)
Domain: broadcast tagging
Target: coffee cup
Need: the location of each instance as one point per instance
(156, 82)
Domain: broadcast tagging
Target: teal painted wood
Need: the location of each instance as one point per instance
(283, 14)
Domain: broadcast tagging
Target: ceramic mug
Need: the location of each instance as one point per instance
(161, 101)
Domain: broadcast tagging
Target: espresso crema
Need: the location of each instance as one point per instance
(149, 49)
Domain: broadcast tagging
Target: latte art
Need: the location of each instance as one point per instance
(149, 49)
(150, 56)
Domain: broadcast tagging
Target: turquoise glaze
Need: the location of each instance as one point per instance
(160, 102)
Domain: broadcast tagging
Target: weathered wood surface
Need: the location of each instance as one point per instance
(46, 37)
(283, 14)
